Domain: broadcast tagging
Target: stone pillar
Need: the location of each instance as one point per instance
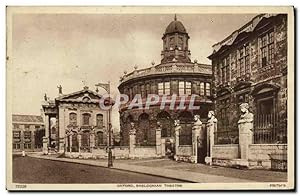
(211, 130)
(178, 128)
(45, 145)
(92, 139)
(197, 129)
(47, 129)
(32, 139)
(79, 142)
(70, 142)
(132, 140)
(245, 125)
(61, 130)
(163, 147)
(158, 139)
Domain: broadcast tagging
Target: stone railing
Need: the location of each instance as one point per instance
(169, 68)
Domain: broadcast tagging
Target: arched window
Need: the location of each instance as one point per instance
(99, 119)
(166, 123)
(86, 119)
(100, 138)
(74, 142)
(73, 119)
(186, 122)
(144, 129)
(85, 139)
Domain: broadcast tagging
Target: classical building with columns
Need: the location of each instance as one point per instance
(250, 66)
(75, 123)
(176, 74)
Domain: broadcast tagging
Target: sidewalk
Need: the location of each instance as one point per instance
(181, 171)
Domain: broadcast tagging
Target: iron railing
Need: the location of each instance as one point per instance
(270, 128)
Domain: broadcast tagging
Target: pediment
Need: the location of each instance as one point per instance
(84, 96)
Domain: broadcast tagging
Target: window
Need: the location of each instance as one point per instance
(27, 136)
(267, 48)
(100, 139)
(243, 63)
(86, 119)
(202, 88)
(17, 135)
(85, 139)
(37, 126)
(188, 88)
(147, 89)
(225, 70)
(164, 88)
(27, 146)
(73, 119)
(207, 89)
(167, 88)
(27, 127)
(160, 88)
(166, 123)
(143, 90)
(99, 119)
(16, 146)
(181, 88)
(185, 88)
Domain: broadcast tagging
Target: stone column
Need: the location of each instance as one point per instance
(47, 129)
(177, 132)
(79, 142)
(61, 130)
(92, 140)
(197, 128)
(245, 125)
(132, 141)
(32, 139)
(70, 142)
(211, 130)
(158, 139)
(45, 145)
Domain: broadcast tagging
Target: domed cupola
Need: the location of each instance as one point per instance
(175, 43)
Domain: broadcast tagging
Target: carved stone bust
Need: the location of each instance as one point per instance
(132, 130)
(197, 120)
(177, 127)
(211, 117)
(246, 116)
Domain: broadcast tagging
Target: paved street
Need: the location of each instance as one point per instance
(33, 170)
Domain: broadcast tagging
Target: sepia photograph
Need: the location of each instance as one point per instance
(150, 98)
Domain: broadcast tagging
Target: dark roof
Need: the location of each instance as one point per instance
(175, 27)
(27, 118)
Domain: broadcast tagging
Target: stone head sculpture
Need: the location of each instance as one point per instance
(132, 125)
(176, 123)
(196, 117)
(244, 107)
(211, 114)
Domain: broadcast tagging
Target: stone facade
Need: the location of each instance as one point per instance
(251, 66)
(82, 125)
(175, 75)
(28, 131)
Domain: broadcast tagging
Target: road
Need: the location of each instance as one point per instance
(32, 170)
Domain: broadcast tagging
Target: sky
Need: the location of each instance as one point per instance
(65, 49)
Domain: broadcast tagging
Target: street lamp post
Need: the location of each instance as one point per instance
(106, 87)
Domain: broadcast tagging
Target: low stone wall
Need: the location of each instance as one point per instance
(260, 155)
(119, 152)
(145, 151)
(226, 151)
(184, 153)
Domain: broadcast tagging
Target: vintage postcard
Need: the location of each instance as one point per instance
(150, 98)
